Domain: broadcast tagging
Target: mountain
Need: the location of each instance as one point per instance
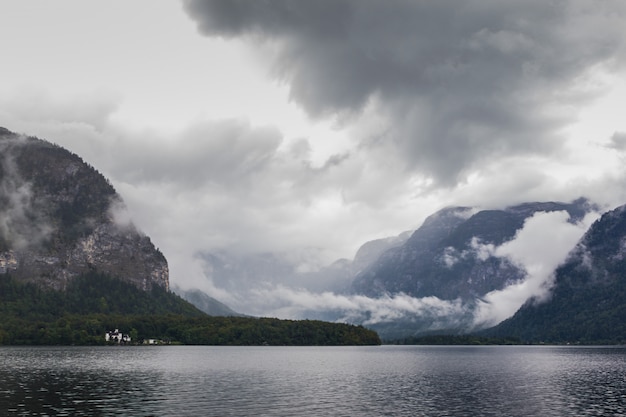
(442, 273)
(588, 299)
(443, 258)
(60, 218)
(205, 303)
(237, 272)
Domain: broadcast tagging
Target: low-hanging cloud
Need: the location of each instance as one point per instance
(451, 84)
(296, 303)
(22, 223)
(539, 248)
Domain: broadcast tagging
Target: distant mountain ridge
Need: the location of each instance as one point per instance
(444, 258)
(441, 258)
(231, 270)
(370, 251)
(205, 303)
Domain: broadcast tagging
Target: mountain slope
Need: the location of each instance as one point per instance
(205, 303)
(442, 258)
(588, 301)
(59, 219)
(95, 303)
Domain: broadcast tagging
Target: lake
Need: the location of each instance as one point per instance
(313, 381)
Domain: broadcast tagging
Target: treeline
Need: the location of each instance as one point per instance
(90, 293)
(456, 340)
(95, 303)
(90, 330)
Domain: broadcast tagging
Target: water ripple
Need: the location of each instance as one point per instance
(291, 381)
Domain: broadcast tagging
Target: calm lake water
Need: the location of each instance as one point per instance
(313, 381)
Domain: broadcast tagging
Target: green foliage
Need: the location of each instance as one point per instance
(592, 315)
(96, 303)
(90, 329)
(92, 292)
(456, 340)
(98, 292)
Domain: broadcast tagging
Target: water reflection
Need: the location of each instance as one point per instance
(593, 380)
(71, 381)
(282, 381)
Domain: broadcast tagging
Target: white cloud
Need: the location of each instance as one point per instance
(292, 303)
(22, 222)
(482, 251)
(539, 247)
(450, 256)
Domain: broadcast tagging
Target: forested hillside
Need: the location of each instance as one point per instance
(96, 303)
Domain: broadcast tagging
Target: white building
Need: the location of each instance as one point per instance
(116, 336)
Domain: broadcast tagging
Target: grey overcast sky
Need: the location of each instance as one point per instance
(309, 127)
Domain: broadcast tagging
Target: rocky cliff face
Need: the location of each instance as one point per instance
(60, 218)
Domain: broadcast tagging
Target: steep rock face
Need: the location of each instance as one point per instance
(370, 251)
(59, 219)
(588, 300)
(442, 258)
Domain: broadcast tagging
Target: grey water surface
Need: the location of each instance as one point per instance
(313, 381)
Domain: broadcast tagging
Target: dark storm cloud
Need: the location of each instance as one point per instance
(454, 83)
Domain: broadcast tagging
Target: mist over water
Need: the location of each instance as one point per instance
(306, 381)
